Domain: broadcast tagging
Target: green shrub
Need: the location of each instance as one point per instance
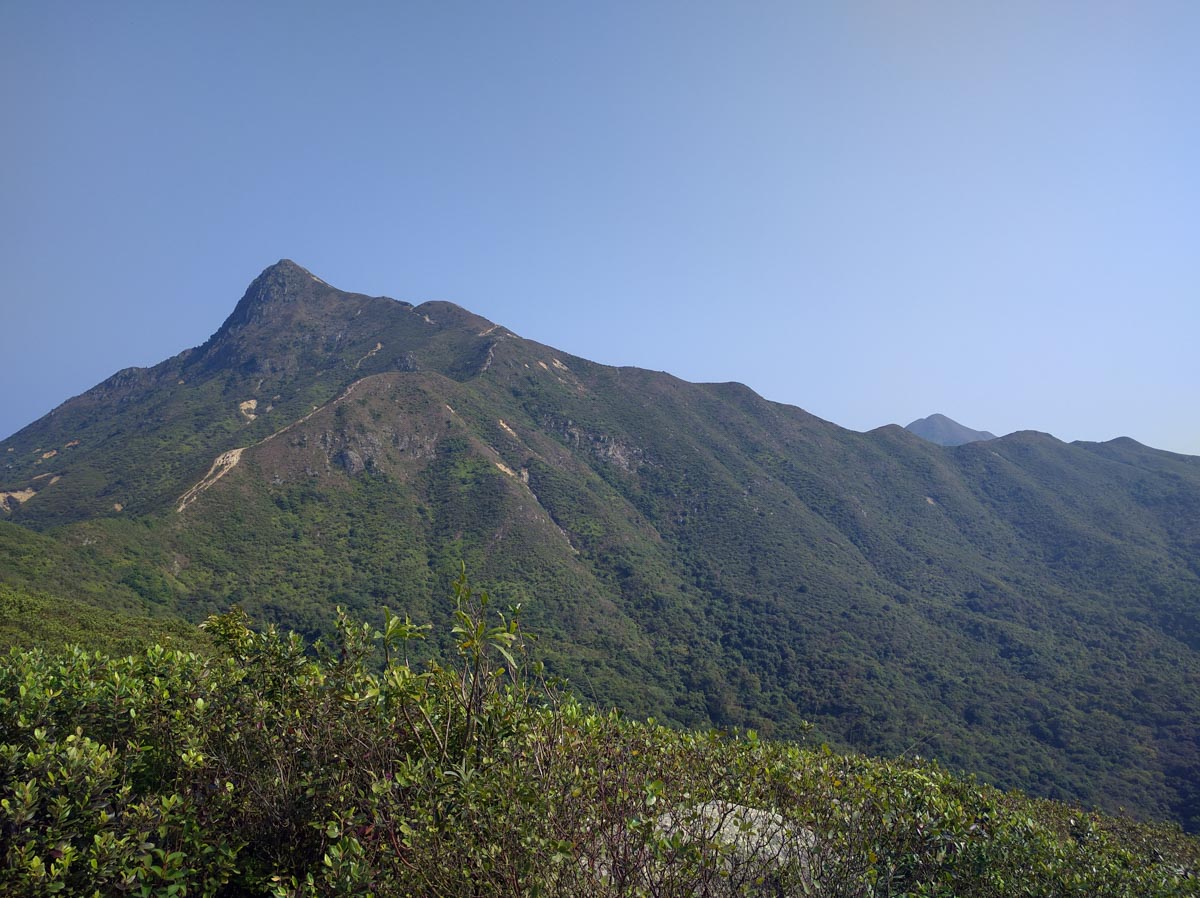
(273, 769)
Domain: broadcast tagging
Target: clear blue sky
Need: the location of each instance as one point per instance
(872, 210)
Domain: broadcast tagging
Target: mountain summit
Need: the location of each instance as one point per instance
(946, 432)
(1023, 608)
(283, 283)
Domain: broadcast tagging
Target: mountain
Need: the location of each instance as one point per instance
(946, 432)
(1022, 608)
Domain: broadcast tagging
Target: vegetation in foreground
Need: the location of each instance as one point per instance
(263, 769)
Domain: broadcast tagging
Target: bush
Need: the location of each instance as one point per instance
(273, 769)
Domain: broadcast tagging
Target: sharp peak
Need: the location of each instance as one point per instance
(285, 270)
(285, 282)
(283, 279)
(287, 265)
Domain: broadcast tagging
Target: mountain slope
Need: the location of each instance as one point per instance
(1021, 608)
(292, 344)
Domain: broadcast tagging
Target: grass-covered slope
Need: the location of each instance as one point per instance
(52, 595)
(261, 770)
(42, 620)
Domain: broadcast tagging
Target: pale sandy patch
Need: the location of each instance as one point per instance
(224, 463)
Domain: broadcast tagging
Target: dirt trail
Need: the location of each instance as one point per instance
(378, 346)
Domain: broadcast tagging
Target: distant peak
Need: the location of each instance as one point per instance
(937, 428)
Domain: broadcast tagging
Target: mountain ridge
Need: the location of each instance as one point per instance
(691, 551)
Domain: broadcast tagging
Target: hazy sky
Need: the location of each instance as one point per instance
(872, 210)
